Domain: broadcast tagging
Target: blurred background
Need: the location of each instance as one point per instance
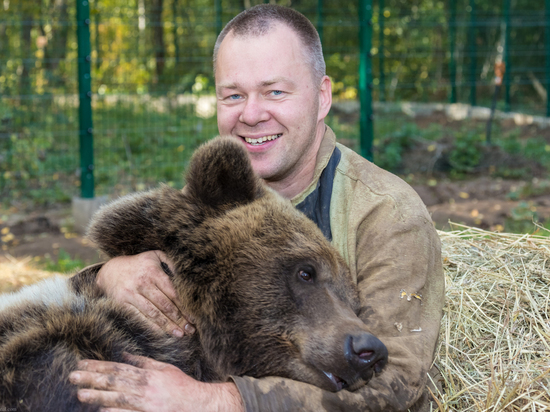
(147, 100)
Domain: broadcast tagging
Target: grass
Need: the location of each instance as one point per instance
(139, 142)
(63, 263)
(136, 145)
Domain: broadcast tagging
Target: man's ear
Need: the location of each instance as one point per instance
(220, 175)
(325, 98)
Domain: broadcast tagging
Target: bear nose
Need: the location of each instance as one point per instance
(365, 353)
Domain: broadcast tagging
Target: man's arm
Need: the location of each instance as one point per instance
(151, 386)
(403, 256)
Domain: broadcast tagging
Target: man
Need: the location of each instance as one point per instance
(273, 96)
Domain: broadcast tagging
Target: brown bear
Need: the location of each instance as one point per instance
(270, 295)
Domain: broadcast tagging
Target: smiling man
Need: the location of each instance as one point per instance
(271, 99)
(273, 96)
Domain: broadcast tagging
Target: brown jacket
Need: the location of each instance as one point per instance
(384, 232)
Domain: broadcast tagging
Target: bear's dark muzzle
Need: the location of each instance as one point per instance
(366, 354)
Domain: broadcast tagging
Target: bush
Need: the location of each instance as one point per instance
(467, 152)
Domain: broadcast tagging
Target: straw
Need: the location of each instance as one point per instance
(18, 272)
(494, 349)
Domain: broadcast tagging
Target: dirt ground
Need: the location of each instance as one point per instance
(29, 239)
(481, 199)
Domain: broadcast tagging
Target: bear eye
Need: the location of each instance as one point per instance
(305, 276)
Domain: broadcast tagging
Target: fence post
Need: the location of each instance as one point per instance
(381, 50)
(85, 99)
(365, 77)
(452, 39)
(218, 7)
(97, 17)
(320, 22)
(507, 56)
(547, 54)
(472, 51)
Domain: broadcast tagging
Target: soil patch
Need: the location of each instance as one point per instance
(487, 203)
(28, 241)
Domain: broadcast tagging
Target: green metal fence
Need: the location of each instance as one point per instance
(150, 90)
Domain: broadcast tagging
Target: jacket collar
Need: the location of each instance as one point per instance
(323, 156)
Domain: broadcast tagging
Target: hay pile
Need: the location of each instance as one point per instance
(18, 272)
(494, 350)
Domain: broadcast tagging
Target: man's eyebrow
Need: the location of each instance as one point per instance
(231, 86)
(265, 83)
(276, 80)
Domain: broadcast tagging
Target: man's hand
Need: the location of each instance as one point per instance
(140, 283)
(152, 386)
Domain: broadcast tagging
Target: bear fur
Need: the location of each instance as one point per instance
(270, 295)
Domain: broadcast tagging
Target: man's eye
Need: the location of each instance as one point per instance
(277, 92)
(234, 96)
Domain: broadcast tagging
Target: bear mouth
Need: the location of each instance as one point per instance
(338, 382)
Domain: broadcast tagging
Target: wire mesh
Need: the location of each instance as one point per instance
(153, 92)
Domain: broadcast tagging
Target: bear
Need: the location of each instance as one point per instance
(269, 294)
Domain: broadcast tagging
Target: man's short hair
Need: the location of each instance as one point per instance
(258, 20)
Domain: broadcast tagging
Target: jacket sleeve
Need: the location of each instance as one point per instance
(85, 278)
(400, 277)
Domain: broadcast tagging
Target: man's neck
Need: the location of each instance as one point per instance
(291, 189)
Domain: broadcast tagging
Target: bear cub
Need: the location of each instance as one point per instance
(270, 295)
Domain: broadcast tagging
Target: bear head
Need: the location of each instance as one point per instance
(270, 295)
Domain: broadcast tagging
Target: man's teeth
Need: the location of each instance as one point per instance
(261, 139)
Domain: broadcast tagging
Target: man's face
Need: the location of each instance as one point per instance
(268, 99)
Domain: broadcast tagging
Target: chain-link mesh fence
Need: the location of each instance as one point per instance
(153, 93)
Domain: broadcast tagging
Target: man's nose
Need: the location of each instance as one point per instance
(254, 111)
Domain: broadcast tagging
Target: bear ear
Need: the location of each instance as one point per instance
(220, 175)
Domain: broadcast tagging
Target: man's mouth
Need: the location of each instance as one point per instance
(261, 140)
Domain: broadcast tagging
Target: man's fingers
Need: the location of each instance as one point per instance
(144, 362)
(140, 315)
(103, 382)
(170, 303)
(91, 365)
(109, 399)
(154, 316)
(162, 299)
(172, 310)
(115, 410)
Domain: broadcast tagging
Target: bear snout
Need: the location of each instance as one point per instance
(366, 354)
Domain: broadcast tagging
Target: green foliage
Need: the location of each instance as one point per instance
(524, 211)
(64, 263)
(137, 144)
(466, 152)
(524, 219)
(139, 48)
(510, 143)
(533, 188)
(433, 132)
(146, 60)
(537, 149)
(389, 148)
